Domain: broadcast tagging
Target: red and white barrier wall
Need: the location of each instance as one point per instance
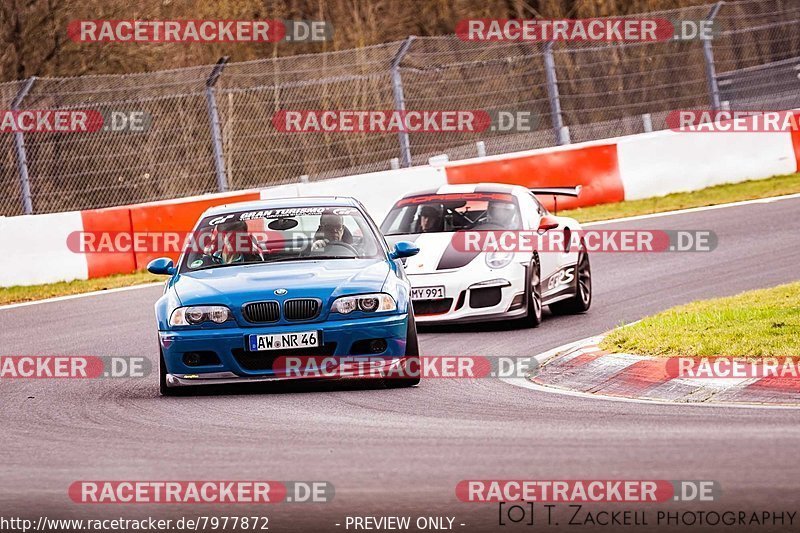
(594, 165)
(41, 251)
(611, 170)
(41, 248)
(640, 166)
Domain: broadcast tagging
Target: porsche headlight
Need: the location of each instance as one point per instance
(499, 259)
(192, 316)
(367, 303)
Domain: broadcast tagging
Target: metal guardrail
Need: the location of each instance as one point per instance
(210, 126)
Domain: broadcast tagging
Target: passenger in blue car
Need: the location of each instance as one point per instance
(231, 243)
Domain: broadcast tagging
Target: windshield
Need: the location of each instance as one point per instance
(438, 213)
(273, 235)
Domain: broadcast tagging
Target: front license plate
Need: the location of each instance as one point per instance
(427, 293)
(283, 341)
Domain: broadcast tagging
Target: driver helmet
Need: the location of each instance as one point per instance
(432, 218)
(501, 213)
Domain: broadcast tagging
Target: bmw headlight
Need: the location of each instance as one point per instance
(367, 303)
(192, 316)
(499, 259)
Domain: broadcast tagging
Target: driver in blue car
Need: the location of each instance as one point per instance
(331, 230)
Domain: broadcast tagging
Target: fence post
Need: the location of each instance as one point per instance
(216, 132)
(400, 100)
(19, 146)
(647, 122)
(552, 95)
(708, 53)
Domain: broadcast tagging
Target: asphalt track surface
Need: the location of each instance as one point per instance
(402, 452)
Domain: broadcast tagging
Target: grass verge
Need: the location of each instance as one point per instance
(761, 323)
(719, 194)
(10, 295)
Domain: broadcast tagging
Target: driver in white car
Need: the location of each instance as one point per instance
(331, 229)
(500, 215)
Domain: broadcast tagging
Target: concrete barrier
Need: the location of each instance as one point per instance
(36, 250)
(667, 162)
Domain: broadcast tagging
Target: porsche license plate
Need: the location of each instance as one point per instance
(283, 341)
(427, 293)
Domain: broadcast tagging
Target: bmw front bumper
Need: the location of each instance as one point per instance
(237, 364)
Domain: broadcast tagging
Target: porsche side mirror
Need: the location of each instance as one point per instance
(547, 223)
(162, 265)
(403, 249)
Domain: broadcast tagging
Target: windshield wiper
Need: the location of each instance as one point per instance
(309, 257)
(220, 265)
(268, 261)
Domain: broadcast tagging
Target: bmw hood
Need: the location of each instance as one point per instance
(236, 285)
(436, 253)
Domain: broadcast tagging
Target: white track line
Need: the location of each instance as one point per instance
(82, 295)
(541, 358)
(768, 200)
(587, 224)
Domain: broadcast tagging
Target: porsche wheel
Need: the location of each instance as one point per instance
(534, 296)
(582, 300)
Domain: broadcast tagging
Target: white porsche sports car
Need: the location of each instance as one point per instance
(455, 280)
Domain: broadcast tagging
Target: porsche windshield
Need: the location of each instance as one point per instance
(437, 213)
(272, 235)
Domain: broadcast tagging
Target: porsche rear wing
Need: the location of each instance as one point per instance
(556, 192)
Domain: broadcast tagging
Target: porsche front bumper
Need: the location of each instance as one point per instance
(475, 296)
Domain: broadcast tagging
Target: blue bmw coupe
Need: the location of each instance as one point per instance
(259, 281)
